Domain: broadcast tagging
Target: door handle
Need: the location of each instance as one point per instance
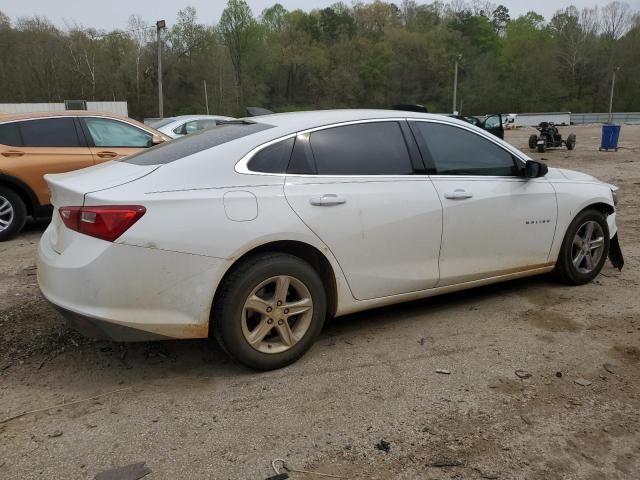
(107, 154)
(12, 153)
(327, 199)
(458, 194)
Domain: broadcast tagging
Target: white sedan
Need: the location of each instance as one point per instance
(176, 127)
(256, 231)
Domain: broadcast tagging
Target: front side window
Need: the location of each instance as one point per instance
(376, 148)
(10, 134)
(49, 132)
(456, 151)
(113, 133)
(492, 122)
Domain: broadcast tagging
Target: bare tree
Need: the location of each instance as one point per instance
(141, 34)
(455, 7)
(590, 20)
(483, 7)
(616, 19)
(81, 45)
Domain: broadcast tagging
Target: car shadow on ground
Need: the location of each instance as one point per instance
(186, 362)
(465, 299)
(37, 225)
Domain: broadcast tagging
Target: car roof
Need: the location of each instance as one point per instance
(12, 117)
(196, 117)
(298, 121)
(293, 122)
(64, 113)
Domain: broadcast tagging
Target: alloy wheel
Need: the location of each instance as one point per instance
(588, 247)
(6, 214)
(277, 314)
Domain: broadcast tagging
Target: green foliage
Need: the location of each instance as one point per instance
(361, 55)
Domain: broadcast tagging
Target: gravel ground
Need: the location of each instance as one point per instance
(188, 412)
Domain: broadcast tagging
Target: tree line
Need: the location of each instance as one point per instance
(364, 55)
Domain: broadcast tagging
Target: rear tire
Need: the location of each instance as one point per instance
(13, 214)
(571, 141)
(572, 266)
(254, 317)
(533, 141)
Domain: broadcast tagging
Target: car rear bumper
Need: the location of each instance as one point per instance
(127, 293)
(103, 330)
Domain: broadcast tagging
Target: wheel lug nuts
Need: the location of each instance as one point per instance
(269, 309)
(280, 322)
(270, 321)
(279, 303)
(286, 310)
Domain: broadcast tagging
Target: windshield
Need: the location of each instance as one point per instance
(196, 142)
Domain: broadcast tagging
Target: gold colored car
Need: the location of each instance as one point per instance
(34, 144)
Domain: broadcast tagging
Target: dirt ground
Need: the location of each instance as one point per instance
(189, 413)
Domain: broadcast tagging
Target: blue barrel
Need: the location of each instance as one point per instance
(610, 136)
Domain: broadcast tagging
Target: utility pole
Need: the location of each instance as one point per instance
(455, 83)
(206, 98)
(160, 25)
(613, 85)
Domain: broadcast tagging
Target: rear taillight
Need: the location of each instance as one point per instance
(104, 222)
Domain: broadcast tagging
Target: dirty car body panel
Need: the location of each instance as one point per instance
(385, 237)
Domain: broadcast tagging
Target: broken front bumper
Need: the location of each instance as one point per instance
(615, 253)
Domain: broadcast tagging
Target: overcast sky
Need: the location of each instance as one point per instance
(112, 14)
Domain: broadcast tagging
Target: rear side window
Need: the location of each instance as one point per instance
(194, 126)
(376, 148)
(456, 151)
(173, 150)
(10, 134)
(272, 159)
(49, 132)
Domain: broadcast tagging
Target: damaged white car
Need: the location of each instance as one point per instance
(256, 231)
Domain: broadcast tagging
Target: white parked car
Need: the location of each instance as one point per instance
(256, 230)
(182, 125)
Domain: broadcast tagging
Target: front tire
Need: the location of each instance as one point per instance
(269, 311)
(571, 141)
(533, 141)
(541, 148)
(13, 214)
(584, 249)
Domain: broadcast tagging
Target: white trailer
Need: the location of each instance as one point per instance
(107, 107)
(533, 119)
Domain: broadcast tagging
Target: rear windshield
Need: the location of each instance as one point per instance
(173, 150)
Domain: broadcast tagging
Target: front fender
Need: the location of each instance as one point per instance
(574, 197)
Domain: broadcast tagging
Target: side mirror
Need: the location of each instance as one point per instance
(156, 140)
(533, 169)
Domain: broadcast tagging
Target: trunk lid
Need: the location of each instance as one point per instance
(69, 190)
